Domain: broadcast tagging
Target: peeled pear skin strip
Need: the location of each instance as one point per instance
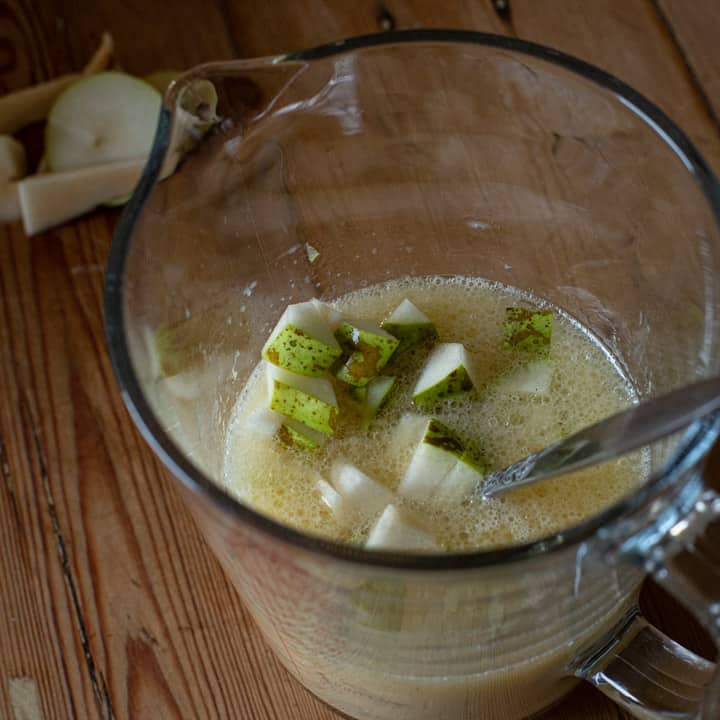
(22, 107)
(47, 200)
(102, 56)
(9, 202)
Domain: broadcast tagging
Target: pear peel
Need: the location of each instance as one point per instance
(22, 107)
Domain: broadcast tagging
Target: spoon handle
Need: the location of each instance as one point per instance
(628, 430)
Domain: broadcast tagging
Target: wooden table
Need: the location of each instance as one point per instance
(111, 605)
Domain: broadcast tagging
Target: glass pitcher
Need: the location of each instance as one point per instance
(416, 153)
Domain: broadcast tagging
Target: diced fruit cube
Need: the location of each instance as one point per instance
(333, 500)
(410, 326)
(365, 496)
(527, 330)
(378, 391)
(447, 373)
(441, 466)
(332, 317)
(302, 341)
(369, 347)
(393, 531)
(308, 400)
(533, 378)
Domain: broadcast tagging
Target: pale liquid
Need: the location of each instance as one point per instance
(351, 660)
(586, 387)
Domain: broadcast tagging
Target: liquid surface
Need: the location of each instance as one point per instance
(586, 387)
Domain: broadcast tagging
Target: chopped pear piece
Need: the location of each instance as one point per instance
(378, 391)
(465, 475)
(332, 317)
(533, 378)
(369, 346)
(308, 400)
(47, 200)
(527, 330)
(302, 341)
(410, 326)
(333, 500)
(102, 118)
(292, 432)
(365, 496)
(448, 372)
(12, 159)
(9, 202)
(442, 466)
(393, 531)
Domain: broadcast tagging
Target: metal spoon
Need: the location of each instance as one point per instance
(617, 435)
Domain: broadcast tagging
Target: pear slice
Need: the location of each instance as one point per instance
(377, 392)
(394, 531)
(365, 496)
(13, 164)
(47, 200)
(100, 119)
(533, 378)
(297, 434)
(410, 326)
(369, 347)
(448, 372)
(442, 466)
(302, 341)
(308, 400)
(527, 330)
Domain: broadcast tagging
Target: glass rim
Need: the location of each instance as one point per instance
(694, 445)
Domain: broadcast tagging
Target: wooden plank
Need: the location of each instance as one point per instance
(696, 29)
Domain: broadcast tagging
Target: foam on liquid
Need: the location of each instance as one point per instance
(586, 387)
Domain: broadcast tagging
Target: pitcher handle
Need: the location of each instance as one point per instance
(636, 665)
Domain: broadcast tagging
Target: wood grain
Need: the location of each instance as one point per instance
(696, 27)
(110, 604)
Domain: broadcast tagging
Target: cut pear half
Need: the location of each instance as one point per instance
(101, 119)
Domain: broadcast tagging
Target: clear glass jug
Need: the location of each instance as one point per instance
(434, 153)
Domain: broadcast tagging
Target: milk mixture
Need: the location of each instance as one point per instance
(586, 386)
